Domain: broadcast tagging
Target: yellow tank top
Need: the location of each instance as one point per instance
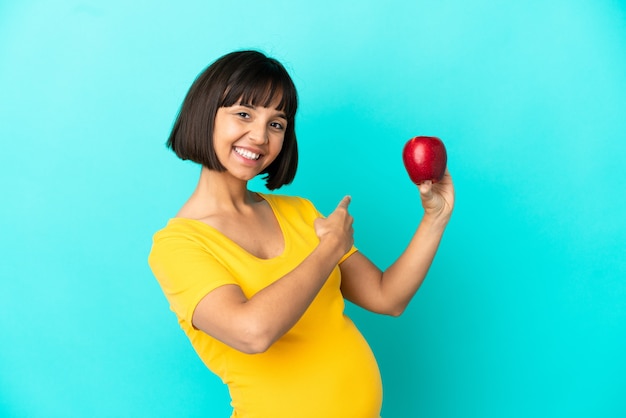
(321, 368)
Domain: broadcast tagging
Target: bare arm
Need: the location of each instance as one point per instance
(253, 325)
(390, 292)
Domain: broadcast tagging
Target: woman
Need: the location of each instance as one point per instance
(258, 280)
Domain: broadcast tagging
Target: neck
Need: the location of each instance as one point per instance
(216, 189)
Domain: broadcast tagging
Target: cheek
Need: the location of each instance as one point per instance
(226, 130)
(277, 143)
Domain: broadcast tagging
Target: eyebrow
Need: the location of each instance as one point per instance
(280, 114)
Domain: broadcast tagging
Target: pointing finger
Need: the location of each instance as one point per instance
(344, 202)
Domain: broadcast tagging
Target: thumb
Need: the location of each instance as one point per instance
(426, 190)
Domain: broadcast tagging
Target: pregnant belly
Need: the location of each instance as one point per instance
(335, 375)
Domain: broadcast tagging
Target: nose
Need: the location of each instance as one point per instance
(259, 133)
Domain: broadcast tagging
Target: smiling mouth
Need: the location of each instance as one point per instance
(247, 154)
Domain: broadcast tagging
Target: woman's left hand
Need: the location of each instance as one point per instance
(438, 198)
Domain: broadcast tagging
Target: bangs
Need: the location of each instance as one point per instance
(262, 87)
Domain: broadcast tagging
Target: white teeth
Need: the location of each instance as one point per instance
(247, 154)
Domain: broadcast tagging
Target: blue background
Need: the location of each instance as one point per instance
(524, 310)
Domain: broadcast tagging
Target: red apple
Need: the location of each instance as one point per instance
(425, 158)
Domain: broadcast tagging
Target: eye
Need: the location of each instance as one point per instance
(243, 115)
(277, 125)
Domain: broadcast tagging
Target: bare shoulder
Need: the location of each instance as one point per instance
(196, 209)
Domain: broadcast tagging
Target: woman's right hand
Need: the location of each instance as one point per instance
(337, 227)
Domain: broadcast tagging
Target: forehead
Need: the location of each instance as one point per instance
(274, 104)
(270, 93)
(265, 96)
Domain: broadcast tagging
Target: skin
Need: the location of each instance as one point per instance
(223, 201)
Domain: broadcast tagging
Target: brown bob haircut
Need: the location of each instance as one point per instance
(247, 77)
